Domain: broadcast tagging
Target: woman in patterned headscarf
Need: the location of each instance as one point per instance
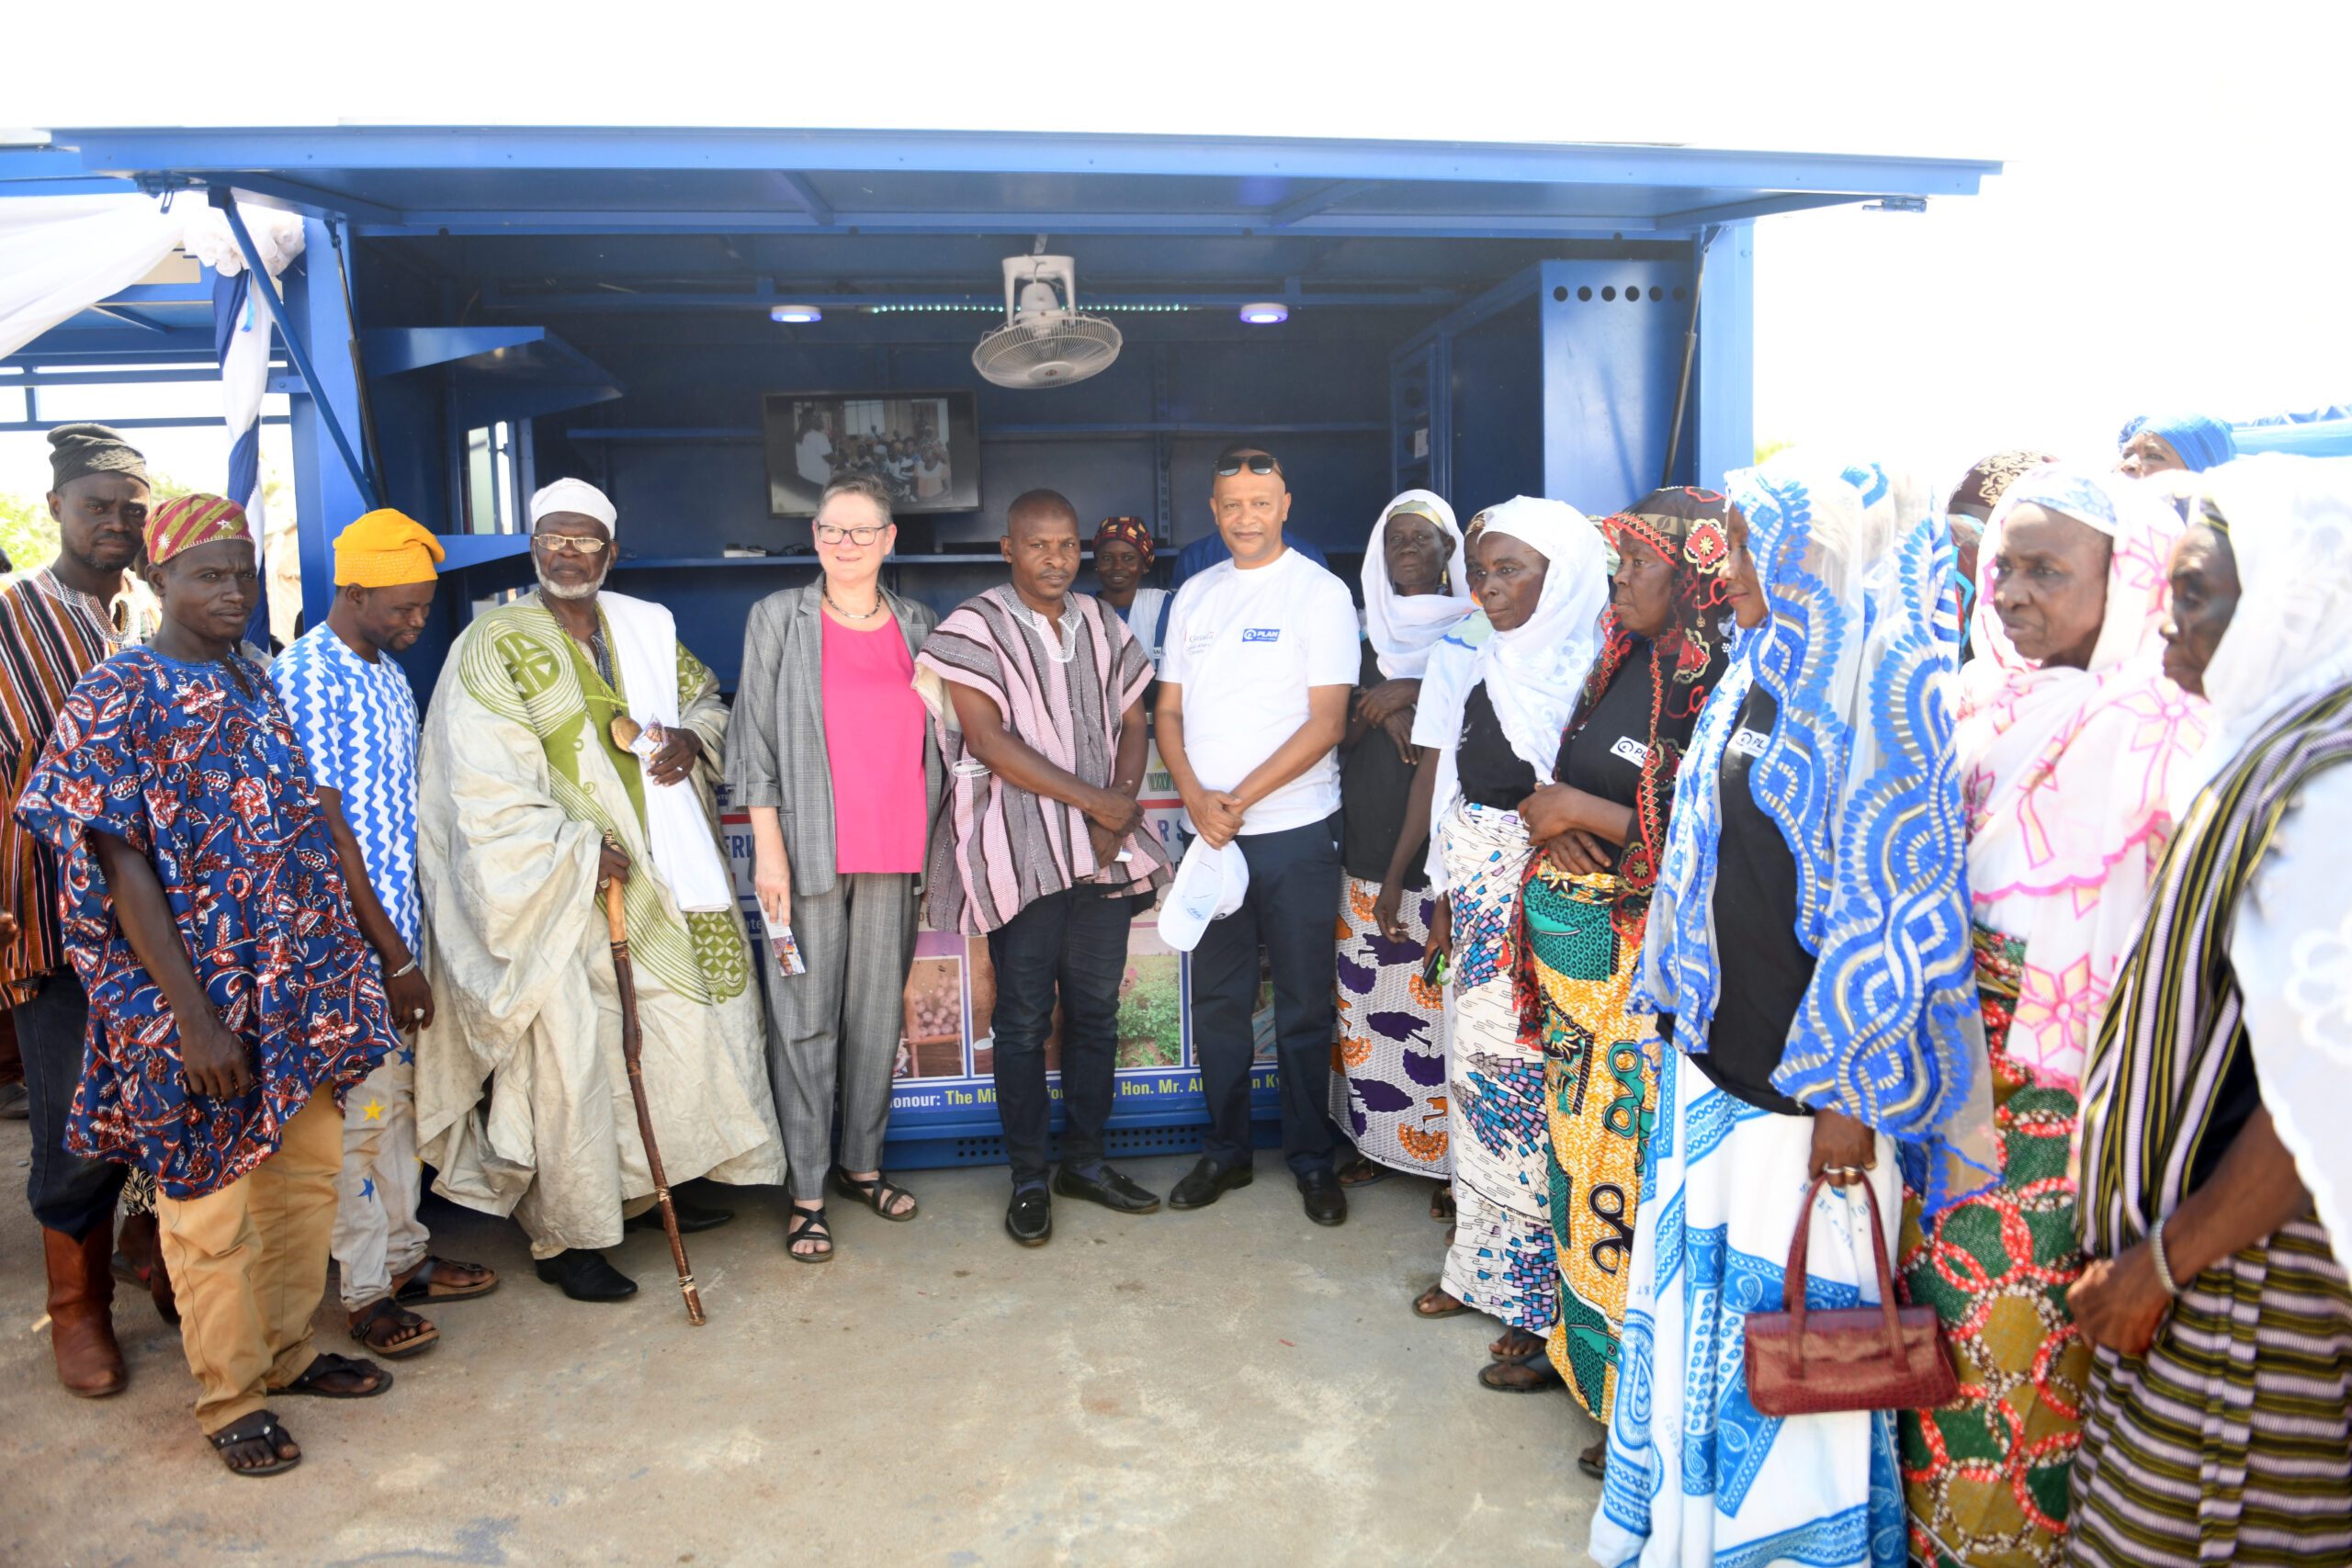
(2216, 1178)
(2161, 444)
(1603, 828)
(1808, 933)
(2069, 732)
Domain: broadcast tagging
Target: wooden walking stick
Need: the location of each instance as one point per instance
(632, 1052)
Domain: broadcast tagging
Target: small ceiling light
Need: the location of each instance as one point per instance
(795, 314)
(1265, 314)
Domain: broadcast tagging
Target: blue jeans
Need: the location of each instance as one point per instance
(1293, 902)
(1073, 942)
(67, 1192)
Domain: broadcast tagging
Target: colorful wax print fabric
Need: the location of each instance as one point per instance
(1986, 1477)
(1389, 1065)
(196, 767)
(1600, 1102)
(1502, 1260)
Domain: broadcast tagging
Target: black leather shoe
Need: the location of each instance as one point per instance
(586, 1276)
(692, 1217)
(1205, 1183)
(1327, 1201)
(1114, 1191)
(1029, 1218)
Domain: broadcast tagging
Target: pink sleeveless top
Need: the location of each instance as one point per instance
(874, 747)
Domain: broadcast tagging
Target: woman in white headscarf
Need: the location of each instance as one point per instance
(2069, 734)
(2216, 1191)
(1388, 1086)
(1542, 580)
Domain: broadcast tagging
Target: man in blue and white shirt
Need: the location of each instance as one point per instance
(356, 717)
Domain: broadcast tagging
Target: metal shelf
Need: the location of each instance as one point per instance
(1131, 430)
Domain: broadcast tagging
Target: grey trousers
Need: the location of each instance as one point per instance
(833, 1032)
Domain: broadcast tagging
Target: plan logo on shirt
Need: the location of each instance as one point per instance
(1262, 634)
(1750, 742)
(1631, 750)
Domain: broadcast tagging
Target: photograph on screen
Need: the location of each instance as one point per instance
(923, 445)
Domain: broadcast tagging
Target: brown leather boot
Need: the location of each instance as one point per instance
(81, 1312)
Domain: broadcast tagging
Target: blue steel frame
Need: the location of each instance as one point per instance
(378, 183)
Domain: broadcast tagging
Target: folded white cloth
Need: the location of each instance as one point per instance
(685, 852)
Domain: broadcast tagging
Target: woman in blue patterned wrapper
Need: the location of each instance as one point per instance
(1818, 817)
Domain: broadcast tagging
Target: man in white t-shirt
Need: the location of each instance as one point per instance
(1260, 657)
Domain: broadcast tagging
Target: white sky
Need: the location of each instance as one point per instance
(2170, 229)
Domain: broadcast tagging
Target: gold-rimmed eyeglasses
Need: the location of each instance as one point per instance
(571, 544)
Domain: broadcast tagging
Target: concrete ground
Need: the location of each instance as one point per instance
(1232, 1386)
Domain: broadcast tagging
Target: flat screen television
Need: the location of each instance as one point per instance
(924, 446)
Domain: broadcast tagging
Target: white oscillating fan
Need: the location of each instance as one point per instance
(1044, 341)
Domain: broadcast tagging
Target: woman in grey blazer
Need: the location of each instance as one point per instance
(830, 749)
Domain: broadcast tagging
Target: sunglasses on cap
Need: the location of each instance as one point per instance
(1255, 462)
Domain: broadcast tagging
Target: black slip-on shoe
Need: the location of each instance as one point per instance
(1029, 1218)
(1205, 1183)
(1325, 1199)
(586, 1276)
(1114, 1192)
(692, 1217)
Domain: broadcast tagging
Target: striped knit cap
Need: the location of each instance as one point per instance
(193, 520)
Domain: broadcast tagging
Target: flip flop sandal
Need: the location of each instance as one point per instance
(1596, 1468)
(311, 1384)
(230, 1435)
(425, 1283)
(1457, 1310)
(1363, 1172)
(808, 1225)
(876, 1193)
(1442, 1206)
(409, 1335)
(1548, 1376)
(1495, 1355)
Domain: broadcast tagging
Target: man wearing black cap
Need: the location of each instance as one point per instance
(54, 623)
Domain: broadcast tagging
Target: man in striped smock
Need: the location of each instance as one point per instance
(356, 718)
(55, 623)
(1041, 846)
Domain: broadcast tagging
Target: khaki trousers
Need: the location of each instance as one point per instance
(249, 1265)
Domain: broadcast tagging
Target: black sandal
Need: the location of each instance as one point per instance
(1361, 1172)
(876, 1193)
(327, 1364)
(1547, 1376)
(808, 1225)
(1594, 1461)
(408, 1335)
(269, 1432)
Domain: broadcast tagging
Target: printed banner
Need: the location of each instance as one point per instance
(945, 1088)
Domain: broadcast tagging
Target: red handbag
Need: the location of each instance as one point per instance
(1865, 1357)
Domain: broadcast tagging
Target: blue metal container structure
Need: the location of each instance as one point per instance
(479, 311)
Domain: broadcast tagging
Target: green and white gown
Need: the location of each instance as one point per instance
(523, 1102)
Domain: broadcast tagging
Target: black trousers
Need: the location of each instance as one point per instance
(67, 1192)
(1292, 903)
(1073, 944)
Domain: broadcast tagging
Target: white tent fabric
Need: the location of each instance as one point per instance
(60, 255)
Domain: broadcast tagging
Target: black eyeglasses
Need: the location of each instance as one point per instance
(1257, 462)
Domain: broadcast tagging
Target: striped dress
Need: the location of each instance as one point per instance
(2229, 1439)
(49, 634)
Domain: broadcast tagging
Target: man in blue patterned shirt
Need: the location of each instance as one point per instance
(356, 718)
